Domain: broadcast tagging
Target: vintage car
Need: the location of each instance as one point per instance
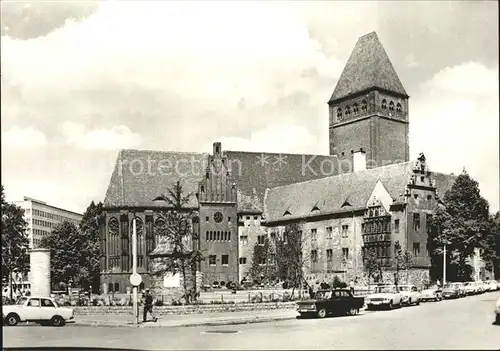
(411, 295)
(42, 310)
(491, 285)
(325, 302)
(432, 293)
(387, 296)
(497, 312)
(470, 288)
(453, 291)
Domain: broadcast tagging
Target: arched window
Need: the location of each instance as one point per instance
(339, 114)
(391, 106)
(141, 287)
(347, 111)
(355, 109)
(117, 287)
(384, 103)
(364, 106)
(110, 287)
(398, 107)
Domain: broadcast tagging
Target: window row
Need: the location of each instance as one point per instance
(218, 236)
(376, 227)
(40, 232)
(212, 260)
(217, 218)
(329, 255)
(44, 223)
(56, 217)
(377, 251)
(374, 212)
(355, 110)
(391, 105)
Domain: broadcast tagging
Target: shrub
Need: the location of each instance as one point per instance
(159, 303)
(176, 302)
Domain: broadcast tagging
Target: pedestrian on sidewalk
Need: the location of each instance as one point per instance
(351, 286)
(148, 307)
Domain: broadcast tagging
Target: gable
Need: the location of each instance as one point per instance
(380, 193)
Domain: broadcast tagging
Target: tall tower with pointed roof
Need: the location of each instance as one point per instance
(368, 110)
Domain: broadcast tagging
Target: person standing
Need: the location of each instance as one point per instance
(351, 286)
(148, 307)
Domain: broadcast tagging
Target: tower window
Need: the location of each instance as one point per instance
(355, 109)
(339, 114)
(384, 103)
(347, 111)
(364, 107)
(391, 106)
(398, 107)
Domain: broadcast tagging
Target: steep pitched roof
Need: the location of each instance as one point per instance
(254, 172)
(367, 67)
(134, 183)
(355, 188)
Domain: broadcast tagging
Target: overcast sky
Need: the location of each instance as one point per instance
(82, 80)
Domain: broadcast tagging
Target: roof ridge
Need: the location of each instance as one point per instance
(345, 174)
(278, 153)
(165, 151)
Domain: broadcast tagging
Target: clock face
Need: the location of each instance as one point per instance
(218, 217)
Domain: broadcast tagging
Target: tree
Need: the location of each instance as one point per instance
(15, 242)
(290, 258)
(463, 223)
(402, 261)
(65, 243)
(90, 251)
(263, 268)
(371, 264)
(177, 235)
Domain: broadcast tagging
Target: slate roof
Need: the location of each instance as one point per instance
(254, 172)
(367, 67)
(329, 194)
(133, 183)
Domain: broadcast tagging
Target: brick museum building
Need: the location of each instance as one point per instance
(365, 193)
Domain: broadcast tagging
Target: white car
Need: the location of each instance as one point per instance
(470, 288)
(384, 296)
(492, 285)
(42, 310)
(411, 295)
(432, 293)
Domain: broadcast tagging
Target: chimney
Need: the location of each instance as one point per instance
(359, 160)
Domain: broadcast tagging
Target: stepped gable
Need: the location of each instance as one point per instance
(254, 172)
(135, 184)
(368, 67)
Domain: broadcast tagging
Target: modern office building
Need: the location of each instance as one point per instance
(42, 217)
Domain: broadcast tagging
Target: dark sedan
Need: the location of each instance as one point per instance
(325, 302)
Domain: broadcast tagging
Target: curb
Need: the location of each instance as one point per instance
(195, 324)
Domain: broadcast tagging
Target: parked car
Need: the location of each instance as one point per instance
(492, 285)
(384, 296)
(470, 288)
(410, 293)
(497, 312)
(432, 293)
(325, 302)
(42, 310)
(453, 291)
(481, 287)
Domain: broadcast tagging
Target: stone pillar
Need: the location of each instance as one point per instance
(40, 272)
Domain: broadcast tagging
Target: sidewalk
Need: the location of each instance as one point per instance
(212, 319)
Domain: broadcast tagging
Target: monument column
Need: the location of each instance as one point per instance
(40, 272)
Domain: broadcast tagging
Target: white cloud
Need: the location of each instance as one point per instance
(23, 138)
(279, 139)
(118, 137)
(454, 120)
(468, 78)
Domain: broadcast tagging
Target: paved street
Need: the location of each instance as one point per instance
(455, 324)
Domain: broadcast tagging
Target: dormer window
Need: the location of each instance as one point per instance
(355, 109)
(287, 213)
(364, 106)
(384, 104)
(347, 111)
(208, 175)
(339, 114)
(315, 208)
(391, 106)
(398, 107)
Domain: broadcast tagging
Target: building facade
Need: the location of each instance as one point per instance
(364, 193)
(42, 217)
